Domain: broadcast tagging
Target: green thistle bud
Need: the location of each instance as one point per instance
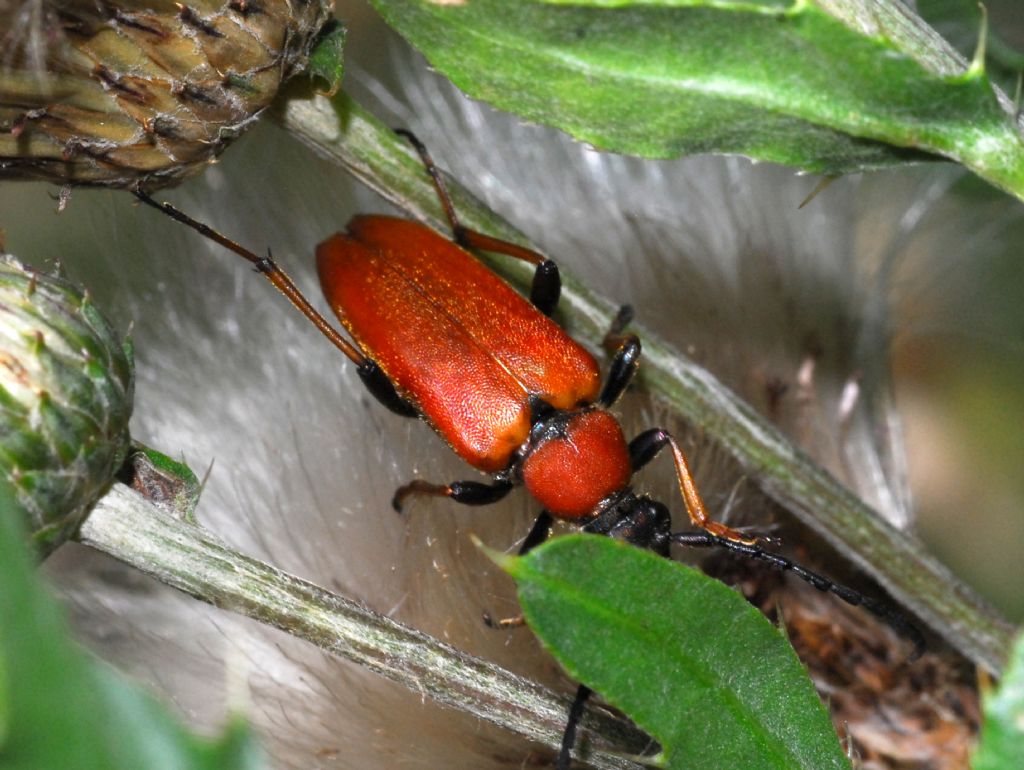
(66, 386)
(125, 92)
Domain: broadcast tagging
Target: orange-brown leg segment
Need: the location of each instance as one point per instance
(642, 450)
(269, 269)
(369, 372)
(547, 283)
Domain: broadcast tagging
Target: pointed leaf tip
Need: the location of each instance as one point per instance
(506, 561)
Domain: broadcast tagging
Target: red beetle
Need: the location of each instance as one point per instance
(501, 383)
(438, 335)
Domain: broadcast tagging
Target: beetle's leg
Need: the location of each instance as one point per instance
(538, 533)
(614, 338)
(465, 492)
(621, 370)
(269, 269)
(382, 389)
(645, 447)
(642, 450)
(369, 372)
(546, 287)
(880, 609)
(503, 624)
(571, 726)
(547, 283)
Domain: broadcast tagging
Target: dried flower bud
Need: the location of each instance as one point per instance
(122, 92)
(66, 386)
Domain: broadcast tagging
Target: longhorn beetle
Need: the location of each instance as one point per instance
(436, 334)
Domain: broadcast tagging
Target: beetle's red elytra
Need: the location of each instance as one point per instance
(435, 319)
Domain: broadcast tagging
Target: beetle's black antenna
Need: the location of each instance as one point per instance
(880, 609)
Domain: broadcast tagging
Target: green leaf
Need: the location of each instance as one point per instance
(61, 709)
(662, 79)
(326, 61)
(684, 656)
(1002, 734)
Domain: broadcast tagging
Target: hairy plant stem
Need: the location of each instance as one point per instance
(130, 528)
(342, 130)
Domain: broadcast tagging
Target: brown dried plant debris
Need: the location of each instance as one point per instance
(892, 714)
